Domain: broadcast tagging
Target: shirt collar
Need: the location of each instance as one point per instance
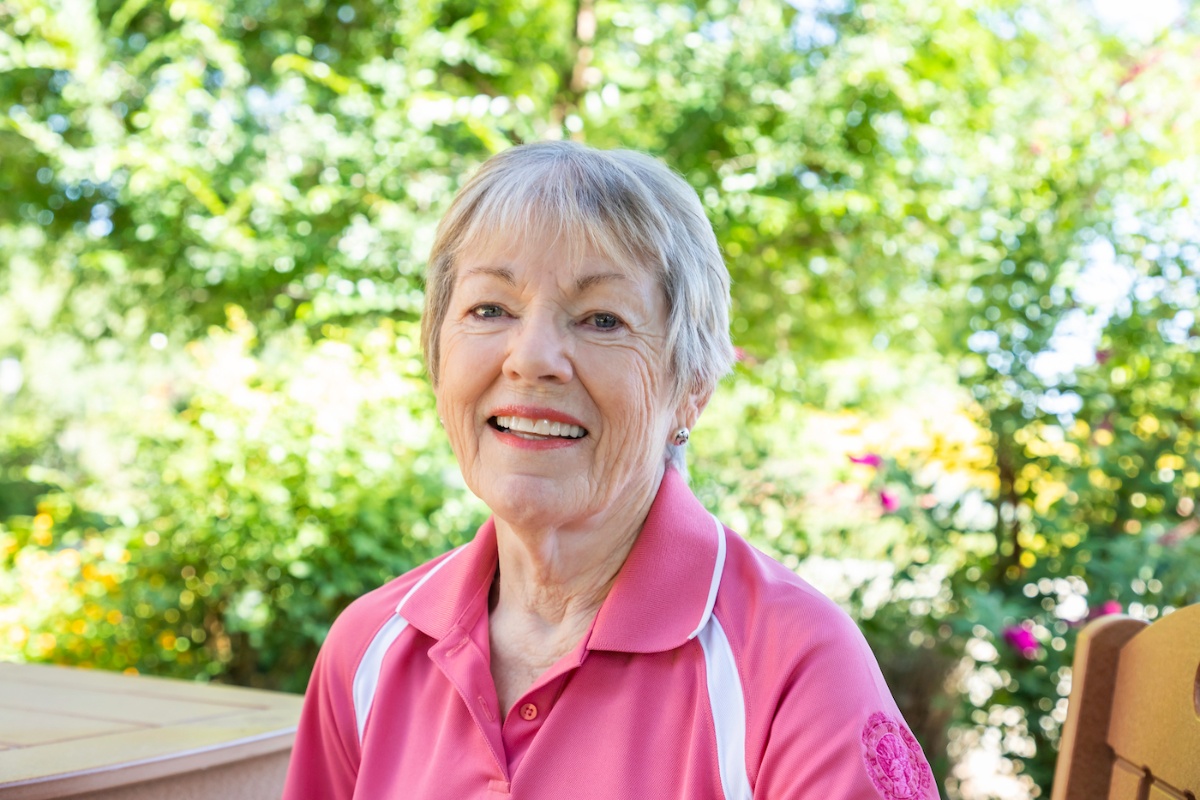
(662, 596)
(457, 585)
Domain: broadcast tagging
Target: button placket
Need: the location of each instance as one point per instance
(467, 671)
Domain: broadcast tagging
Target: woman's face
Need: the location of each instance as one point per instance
(554, 386)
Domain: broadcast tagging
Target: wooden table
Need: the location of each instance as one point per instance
(71, 733)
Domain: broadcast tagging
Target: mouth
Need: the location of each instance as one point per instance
(537, 429)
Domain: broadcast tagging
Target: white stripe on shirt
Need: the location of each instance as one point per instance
(728, 706)
(366, 677)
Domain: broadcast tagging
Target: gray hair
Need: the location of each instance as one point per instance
(623, 205)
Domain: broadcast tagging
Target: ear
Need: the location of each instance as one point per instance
(691, 406)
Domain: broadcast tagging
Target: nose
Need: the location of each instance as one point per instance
(539, 350)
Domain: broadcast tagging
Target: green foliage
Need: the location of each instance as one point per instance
(961, 238)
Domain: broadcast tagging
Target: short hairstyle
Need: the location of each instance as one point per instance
(623, 205)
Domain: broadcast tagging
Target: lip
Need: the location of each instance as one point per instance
(513, 440)
(535, 412)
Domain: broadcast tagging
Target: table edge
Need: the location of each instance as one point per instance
(111, 776)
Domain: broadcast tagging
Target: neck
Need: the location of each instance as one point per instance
(553, 578)
(556, 576)
(551, 584)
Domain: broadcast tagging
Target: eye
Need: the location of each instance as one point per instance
(604, 321)
(487, 311)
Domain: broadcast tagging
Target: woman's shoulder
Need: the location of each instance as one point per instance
(359, 623)
(762, 603)
(820, 719)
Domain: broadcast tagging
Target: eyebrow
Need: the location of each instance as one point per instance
(588, 281)
(581, 285)
(503, 274)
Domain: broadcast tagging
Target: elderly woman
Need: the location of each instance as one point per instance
(602, 636)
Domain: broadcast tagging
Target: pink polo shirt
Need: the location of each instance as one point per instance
(711, 671)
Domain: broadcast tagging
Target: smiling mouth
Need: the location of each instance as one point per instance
(537, 428)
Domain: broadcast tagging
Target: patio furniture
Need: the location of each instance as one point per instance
(1133, 724)
(72, 733)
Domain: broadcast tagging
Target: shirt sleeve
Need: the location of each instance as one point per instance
(325, 757)
(836, 733)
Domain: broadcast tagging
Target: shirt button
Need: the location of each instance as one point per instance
(529, 712)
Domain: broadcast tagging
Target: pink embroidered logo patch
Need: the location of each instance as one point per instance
(894, 759)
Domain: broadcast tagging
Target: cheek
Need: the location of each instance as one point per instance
(638, 405)
(461, 376)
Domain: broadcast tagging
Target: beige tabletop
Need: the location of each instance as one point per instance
(70, 732)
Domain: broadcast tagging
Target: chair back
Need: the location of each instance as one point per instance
(1133, 723)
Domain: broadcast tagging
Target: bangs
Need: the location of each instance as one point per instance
(603, 211)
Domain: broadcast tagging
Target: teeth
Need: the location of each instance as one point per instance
(542, 427)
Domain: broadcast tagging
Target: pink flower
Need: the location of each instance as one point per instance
(889, 501)
(1180, 532)
(869, 459)
(739, 354)
(1105, 609)
(1021, 639)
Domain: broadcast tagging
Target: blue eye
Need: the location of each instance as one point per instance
(605, 321)
(487, 311)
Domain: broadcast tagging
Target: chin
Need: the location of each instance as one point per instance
(529, 501)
